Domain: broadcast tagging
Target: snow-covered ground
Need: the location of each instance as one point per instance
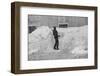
(73, 43)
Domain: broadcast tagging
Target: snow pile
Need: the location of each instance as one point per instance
(75, 40)
(40, 39)
(40, 32)
(72, 42)
(79, 51)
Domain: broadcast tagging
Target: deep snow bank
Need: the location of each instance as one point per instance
(41, 40)
(72, 39)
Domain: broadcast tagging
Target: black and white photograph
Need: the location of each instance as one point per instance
(52, 37)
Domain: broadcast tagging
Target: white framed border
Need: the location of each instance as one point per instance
(25, 64)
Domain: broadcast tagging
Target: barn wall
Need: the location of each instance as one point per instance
(41, 20)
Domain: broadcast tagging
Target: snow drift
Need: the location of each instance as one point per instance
(73, 43)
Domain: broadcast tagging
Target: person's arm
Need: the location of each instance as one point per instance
(58, 35)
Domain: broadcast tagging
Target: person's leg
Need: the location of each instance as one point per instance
(57, 44)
